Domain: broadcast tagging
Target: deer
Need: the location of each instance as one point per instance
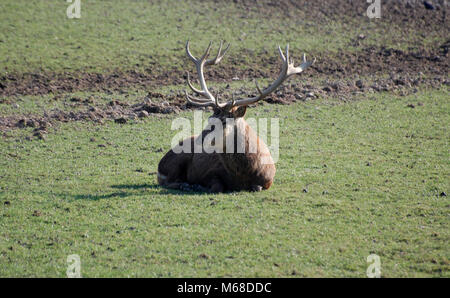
(249, 169)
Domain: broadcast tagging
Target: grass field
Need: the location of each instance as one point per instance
(360, 176)
(36, 36)
(373, 171)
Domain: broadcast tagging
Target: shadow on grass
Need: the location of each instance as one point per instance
(135, 190)
(136, 186)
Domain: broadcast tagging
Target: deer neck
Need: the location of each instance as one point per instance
(244, 141)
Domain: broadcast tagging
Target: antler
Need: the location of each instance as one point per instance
(287, 70)
(207, 98)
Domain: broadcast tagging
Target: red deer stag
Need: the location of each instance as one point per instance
(222, 170)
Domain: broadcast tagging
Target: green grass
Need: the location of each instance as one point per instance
(352, 179)
(373, 170)
(36, 36)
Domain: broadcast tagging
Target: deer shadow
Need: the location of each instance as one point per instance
(127, 190)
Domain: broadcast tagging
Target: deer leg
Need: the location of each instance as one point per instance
(186, 187)
(215, 185)
(174, 185)
(172, 169)
(199, 188)
(256, 188)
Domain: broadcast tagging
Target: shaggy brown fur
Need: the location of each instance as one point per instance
(220, 172)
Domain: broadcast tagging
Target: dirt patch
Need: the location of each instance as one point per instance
(369, 70)
(364, 62)
(156, 104)
(412, 14)
(45, 83)
(407, 17)
(357, 70)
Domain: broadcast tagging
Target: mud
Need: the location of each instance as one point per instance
(356, 70)
(157, 104)
(409, 14)
(366, 62)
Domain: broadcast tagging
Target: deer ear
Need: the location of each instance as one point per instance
(240, 112)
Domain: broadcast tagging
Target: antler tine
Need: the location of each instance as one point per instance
(287, 70)
(257, 87)
(281, 54)
(199, 63)
(287, 53)
(217, 101)
(219, 55)
(304, 65)
(198, 101)
(209, 99)
(206, 54)
(192, 86)
(214, 61)
(188, 52)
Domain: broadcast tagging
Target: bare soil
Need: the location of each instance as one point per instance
(365, 62)
(355, 71)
